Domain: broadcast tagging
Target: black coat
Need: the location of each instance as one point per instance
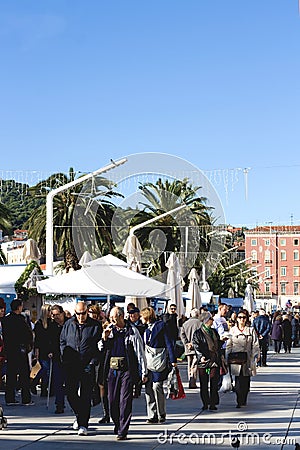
(80, 349)
(17, 335)
(201, 346)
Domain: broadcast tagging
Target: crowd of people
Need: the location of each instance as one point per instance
(91, 358)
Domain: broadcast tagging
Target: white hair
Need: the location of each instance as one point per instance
(195, 312)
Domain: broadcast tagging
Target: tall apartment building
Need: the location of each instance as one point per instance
(273, 252)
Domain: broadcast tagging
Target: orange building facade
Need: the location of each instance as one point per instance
(273, 252)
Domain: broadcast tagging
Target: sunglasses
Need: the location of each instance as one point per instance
(80, 313)
(242, 317)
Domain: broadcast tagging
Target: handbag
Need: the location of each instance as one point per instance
(237, 358)
(177, 395)
(156, 358)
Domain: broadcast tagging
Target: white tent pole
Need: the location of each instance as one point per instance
(49, 208)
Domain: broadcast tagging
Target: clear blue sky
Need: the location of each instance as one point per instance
(214, 82)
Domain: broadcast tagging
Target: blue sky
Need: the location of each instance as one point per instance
(213, 82)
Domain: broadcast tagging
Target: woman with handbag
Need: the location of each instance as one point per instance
(159, 355)
(242, 353)
(207, 345)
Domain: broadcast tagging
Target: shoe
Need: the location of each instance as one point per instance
(75, 425)
(238, 406)
(152, 420)
(265, 365)
(82, 431)
(213, 408)
(193, 386)
(14, 403)
(31, 403)
(204, 408)
(162, 420)
(59, 410)
(121, 437)
(105, 419)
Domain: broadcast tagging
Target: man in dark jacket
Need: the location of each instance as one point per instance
(171, 321)
(18, 341)
(262, 326)
(78, 345)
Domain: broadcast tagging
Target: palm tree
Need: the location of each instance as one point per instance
(79, 220)
(180, 233)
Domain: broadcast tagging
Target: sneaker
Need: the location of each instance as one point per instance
(31, 403)
(14, 403)
(75, 425)
(82, 431)
(121, 437)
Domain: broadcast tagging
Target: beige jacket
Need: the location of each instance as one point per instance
(243, 341)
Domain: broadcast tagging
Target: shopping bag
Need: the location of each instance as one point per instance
(226, 383)
(180, 392)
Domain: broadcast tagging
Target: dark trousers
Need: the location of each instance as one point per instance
(242, 388)
(80, 401)
(209, 396)
(58, 379)
(17, 371)
(277, 345)
(263, 345)
(120, 389)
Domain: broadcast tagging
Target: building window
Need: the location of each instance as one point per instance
(254, 255)
(267, 242)
(283, 271)
(268, 287)
(253, 242)
(296, 241)
(283, 288)
(267, 272)
(296, 255)
(283, 255)
(296, 271)
(296, 288)
(283, 242)
(267, 256)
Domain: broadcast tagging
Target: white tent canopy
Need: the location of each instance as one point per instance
(9, 274)
(104, 276)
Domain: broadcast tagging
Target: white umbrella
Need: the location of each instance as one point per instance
(85, 259)
(31, 251)
(133, 252)
(194, 291)
(248, 299)
(174, 283)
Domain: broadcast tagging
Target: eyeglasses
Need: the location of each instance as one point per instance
(172, 309)
(56, 315)
(242, 317)
(81, 313)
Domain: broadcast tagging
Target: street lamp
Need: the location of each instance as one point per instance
(49, 208)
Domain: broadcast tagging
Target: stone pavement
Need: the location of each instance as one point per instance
(271, 419)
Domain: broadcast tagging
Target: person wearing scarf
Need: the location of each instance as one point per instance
(207, 345)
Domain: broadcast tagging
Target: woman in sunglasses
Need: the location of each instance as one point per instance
(243, 342)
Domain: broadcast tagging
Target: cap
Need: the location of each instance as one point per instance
(134, 310)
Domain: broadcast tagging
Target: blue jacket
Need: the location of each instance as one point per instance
(262, 326)
(80, 351)
(157, 336)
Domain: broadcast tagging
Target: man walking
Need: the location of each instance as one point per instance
(78, 345)
(262, 327)
(187, 332)
(18, 342)
(125, 364)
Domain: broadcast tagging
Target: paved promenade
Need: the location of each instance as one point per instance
(271, 419)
